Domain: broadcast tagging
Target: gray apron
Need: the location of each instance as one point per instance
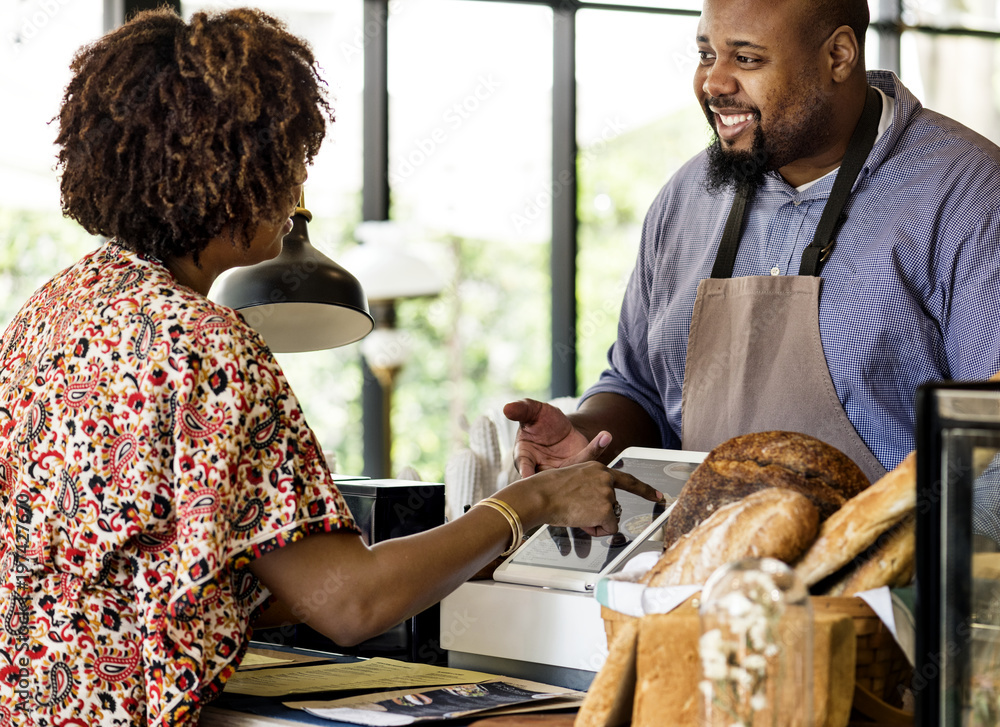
(755, 360)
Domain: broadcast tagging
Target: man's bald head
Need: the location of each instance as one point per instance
(819, 18)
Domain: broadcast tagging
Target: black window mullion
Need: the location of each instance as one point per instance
(117, 12)
(375, 207)
(564, 202)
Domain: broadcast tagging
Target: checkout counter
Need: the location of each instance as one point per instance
(530, 632)
(556, 635)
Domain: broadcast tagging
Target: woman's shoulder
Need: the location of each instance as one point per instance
(132, 305)
(128, 279)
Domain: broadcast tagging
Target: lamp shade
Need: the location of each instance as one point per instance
(386, 268)
(301, 300)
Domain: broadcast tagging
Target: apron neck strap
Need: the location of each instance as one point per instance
(725, 258)
(816, 253)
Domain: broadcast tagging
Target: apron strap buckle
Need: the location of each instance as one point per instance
(824, 253)
(828, 248)
(814, 256)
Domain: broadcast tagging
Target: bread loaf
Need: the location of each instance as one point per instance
(889, 562)
(752, 462)
(773, 523)
(853, 528)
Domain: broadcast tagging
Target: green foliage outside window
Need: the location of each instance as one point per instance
(482, 342)
(618, 182)
(34, 245)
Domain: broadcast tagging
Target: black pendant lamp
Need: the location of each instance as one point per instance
(301, 300)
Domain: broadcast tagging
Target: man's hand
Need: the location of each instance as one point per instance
(547, 438)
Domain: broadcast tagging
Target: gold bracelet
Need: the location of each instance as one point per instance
(515, 541)
(510, 511)
(509, 516)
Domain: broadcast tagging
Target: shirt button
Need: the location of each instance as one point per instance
(775, 271)
(797, 202)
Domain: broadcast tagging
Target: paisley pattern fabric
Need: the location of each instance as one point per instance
(150, 449)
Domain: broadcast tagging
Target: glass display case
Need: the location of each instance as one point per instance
(957, 671)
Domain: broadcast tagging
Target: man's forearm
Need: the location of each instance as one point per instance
(629, 424)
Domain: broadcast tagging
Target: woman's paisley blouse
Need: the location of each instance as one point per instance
(150, 448)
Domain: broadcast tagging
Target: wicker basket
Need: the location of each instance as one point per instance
(881, 666)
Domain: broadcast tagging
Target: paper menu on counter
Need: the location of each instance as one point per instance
(258, 661)
(263, 658)
(405, 707)
(370, 674)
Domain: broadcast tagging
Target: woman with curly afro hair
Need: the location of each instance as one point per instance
(161, 492)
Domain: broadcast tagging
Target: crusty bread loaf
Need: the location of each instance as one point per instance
(856, 525)
(774, 522)
(752, 462)
(800, 453)
(889, 562)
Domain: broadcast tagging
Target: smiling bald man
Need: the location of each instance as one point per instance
(831, 250)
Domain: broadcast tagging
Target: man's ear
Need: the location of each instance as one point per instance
(842, 53)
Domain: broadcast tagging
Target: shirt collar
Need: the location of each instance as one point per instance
(885, 121)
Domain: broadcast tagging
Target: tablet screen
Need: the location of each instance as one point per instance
(571, 549)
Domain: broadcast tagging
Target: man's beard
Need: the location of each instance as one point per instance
(789, 137)
(735, 169)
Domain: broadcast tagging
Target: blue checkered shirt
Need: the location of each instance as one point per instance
(911, 292)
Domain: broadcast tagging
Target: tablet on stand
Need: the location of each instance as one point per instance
(569, 559)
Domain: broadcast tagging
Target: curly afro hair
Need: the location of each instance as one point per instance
(168, 130)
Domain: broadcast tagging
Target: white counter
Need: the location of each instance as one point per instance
(524, 631)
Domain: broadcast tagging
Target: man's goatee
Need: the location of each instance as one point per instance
(735, 169)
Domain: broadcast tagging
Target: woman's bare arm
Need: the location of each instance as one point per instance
(350, 592)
